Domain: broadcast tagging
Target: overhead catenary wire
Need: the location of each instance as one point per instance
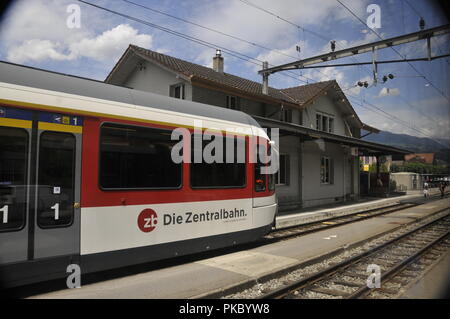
(385, 114)
(398, 53)
(389, 117)
(200, 42)
(218, 32)
(419, 111)
(395, 50)
(414, 9)
(421, 16)
(230, 52)
(324, 38)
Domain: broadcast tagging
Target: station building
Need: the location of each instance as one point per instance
(320, 132)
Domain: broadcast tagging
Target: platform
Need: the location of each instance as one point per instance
(311, 214)
(240, 269)
(435, 284)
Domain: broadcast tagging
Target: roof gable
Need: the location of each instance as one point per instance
(299, 96)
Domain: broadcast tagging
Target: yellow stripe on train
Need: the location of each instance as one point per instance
(60, 127)
(15, 123)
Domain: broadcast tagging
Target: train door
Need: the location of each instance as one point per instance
(57, 192)
(40, 168)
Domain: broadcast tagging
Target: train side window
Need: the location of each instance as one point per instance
(133, 157)
(56, 179)
(13, 177)
(231, 173)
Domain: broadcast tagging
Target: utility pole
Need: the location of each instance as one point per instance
(265, 76)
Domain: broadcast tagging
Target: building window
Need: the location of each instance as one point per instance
(286, 115)
(324, 123)
(178, 91)
(227, 172)
(282, 176)
(330, 125)
(133, 157)
(326, 170)
(232, 102)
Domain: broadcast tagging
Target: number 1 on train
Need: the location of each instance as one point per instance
(4, 209)
(56, 208)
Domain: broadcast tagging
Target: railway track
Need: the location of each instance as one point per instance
(310, 227)
(396, 258)
(303, 229)
(288, 232)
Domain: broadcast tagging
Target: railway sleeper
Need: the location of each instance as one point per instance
(327, 291)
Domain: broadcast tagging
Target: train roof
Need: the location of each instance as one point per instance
(59, 82)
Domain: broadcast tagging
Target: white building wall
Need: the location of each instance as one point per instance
(314, 192)
(324, 105)
(204, 95)
(156, 80)
(290, 193)
(407, 180)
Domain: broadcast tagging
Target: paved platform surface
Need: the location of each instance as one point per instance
(214, 274)
(434, 285)
(310, 214)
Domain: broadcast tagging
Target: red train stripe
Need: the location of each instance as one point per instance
(93, 196)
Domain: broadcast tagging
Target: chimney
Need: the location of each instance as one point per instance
(218, 62)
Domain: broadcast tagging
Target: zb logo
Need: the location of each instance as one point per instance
(147, 220)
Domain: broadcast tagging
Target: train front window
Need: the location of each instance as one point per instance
(13, 177)
(226, 170)
(134, 157)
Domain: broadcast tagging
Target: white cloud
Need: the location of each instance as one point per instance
(37, 50)
(388, 92)
(37, 31)
(107, 46)
(40, 19)
(110, 44)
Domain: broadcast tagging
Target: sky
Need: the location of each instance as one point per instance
(45, 34)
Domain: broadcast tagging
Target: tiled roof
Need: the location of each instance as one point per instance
(297, 95)
(305, 93)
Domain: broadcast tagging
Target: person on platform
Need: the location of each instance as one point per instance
(425, 189)
(442, 189)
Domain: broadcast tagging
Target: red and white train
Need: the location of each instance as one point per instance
(86, 178)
